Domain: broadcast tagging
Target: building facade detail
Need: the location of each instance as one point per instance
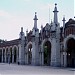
(51, 46)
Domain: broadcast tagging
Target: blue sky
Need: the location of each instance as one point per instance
(15, 14)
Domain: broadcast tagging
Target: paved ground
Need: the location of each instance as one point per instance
(13, 69)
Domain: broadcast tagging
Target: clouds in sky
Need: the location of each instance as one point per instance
(15, 14)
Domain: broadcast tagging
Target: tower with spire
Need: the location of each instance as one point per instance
(55, 14)
(21, 47)
(63, 23)
(55, 37)
(35, 21)
(22, 35)
(35, 42)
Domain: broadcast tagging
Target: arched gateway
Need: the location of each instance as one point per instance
(47, 53)
(71, 52)
(29, 53)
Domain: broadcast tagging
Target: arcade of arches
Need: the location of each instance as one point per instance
(9, 54)
(71, 53)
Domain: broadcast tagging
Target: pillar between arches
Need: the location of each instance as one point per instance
(65, 58)
(12, 55)
(42, 55)
(2, 55)
(5, 55)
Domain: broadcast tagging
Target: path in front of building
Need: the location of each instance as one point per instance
(14, 69)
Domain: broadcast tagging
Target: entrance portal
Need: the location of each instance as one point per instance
(30, 54)
(47, 53)
(71, 53)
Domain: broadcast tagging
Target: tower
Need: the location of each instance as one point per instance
(63, 23)
(55, 40)
(22, 35)
(35, 43)
(35, 21)
(55, 14)
(21, 47)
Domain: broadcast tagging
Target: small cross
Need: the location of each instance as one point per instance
(55, 4)
(35, 13)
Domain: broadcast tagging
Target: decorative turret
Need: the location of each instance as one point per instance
(55, 14)
(35, 42)
(41, 28)
(51, 23)
(35, 29)
(26, 32)
(63, 23)
(35, 21)
(22, 47)
(22, 35)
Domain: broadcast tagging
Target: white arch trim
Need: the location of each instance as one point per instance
(7, 47)
(28, 45)
(4, 48)
(10, 47)
(15, 46)
(66, 39)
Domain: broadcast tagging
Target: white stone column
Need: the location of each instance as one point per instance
(5, 55)
(65, 59)
(2, 55)
(40, 57)
(12, 55)
(17, 57)
(62, 61)
(42, 54)
(8, 54)
(27, 57)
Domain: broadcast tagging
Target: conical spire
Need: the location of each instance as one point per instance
(63, 23)
(35, 21)
(26, 32)
(55, 14)
(21, 33)
(21, 29)
(64, 19)
(35, 18)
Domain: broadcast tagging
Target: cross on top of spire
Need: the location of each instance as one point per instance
(55, 4)
(55, 9)
(35, 13)
(35, 18)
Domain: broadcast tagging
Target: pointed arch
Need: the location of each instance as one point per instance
(29, 52)
(15, 53)
(69, 46)
(66, 39)
(46, 50)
